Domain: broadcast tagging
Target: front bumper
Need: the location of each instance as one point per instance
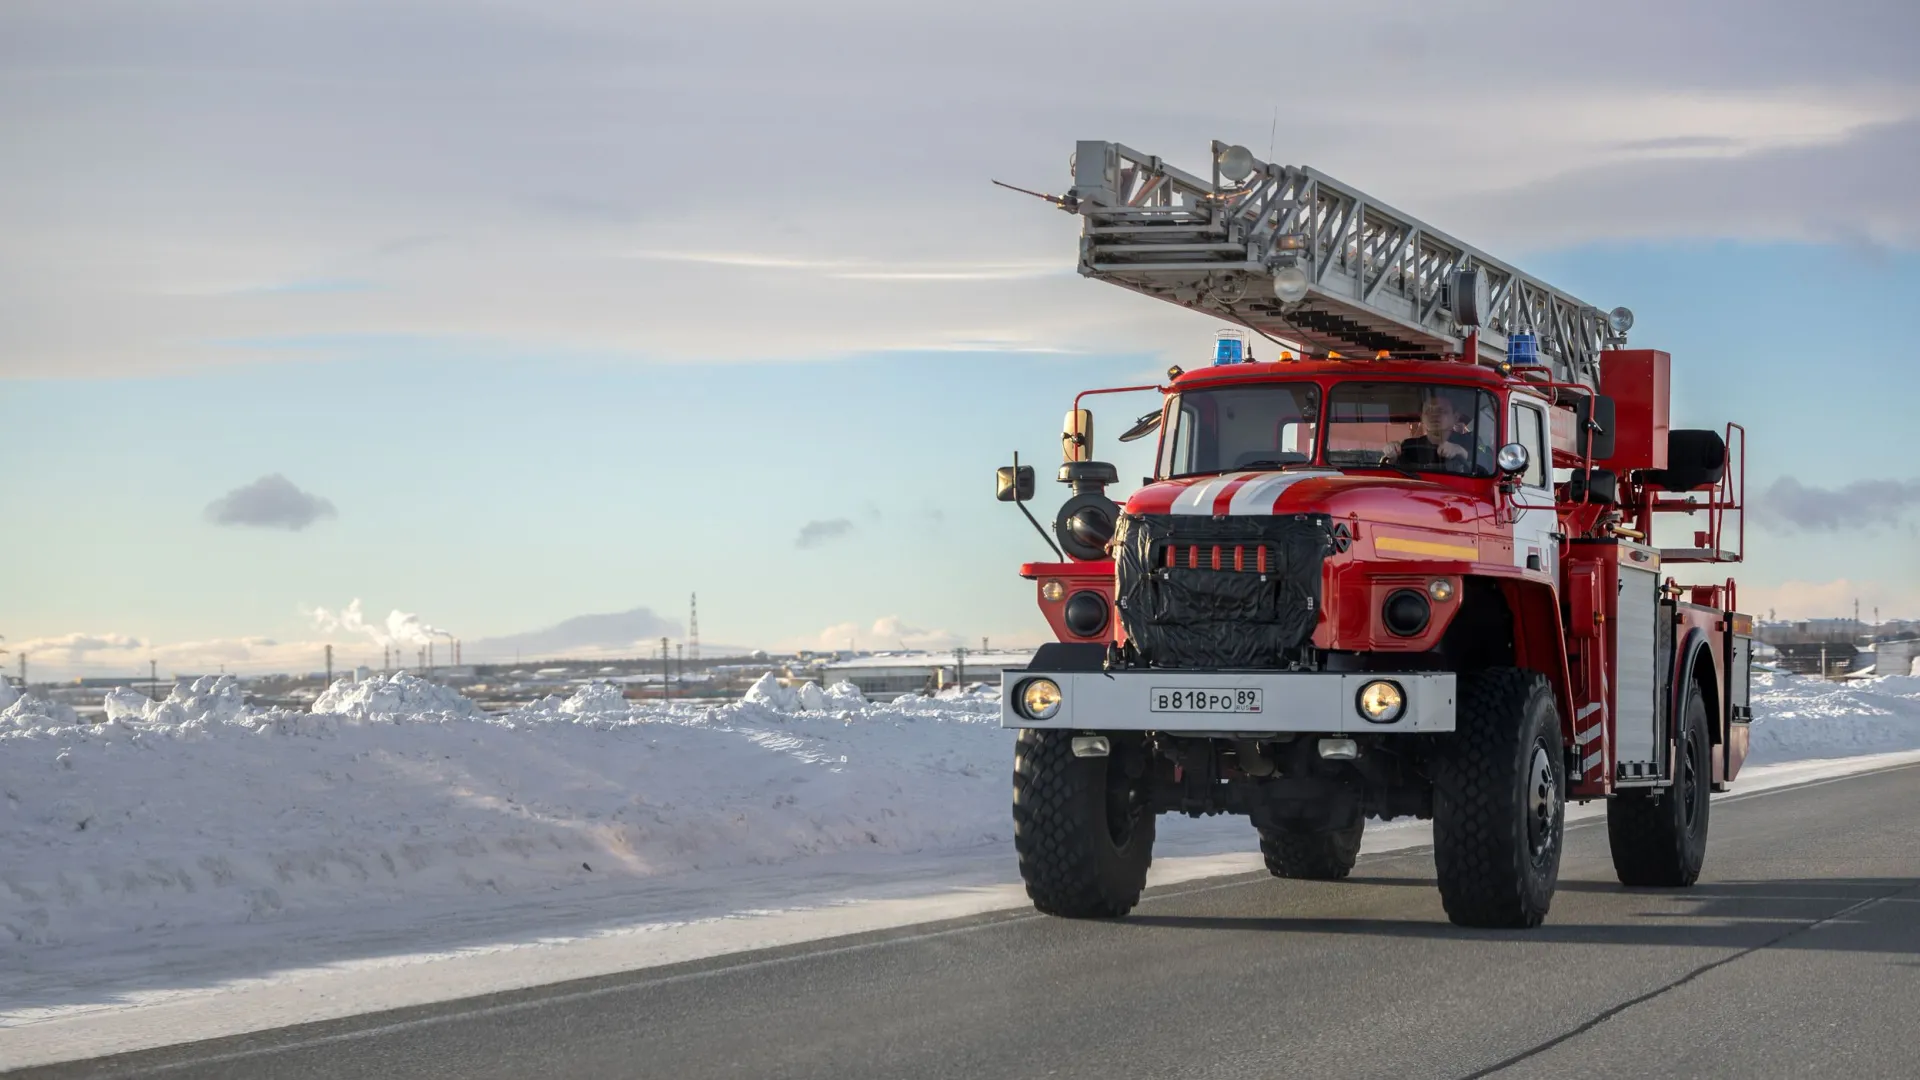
(1232, 704)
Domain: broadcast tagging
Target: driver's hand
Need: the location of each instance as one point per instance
(1451, 450)
(1391, 452)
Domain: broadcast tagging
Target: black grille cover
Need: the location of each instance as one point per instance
(1198, 617)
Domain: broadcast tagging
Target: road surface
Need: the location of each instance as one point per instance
(1798, 954)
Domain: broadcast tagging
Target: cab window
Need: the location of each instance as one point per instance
(1529, 431)
(1425, 427)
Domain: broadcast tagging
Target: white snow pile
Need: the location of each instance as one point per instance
(393, 699)
(199, 810)
(17, 711)
(1795, 717)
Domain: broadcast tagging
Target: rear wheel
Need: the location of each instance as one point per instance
(1311, 856)
(1083, 837)
(1499, 796)
(1660, 839)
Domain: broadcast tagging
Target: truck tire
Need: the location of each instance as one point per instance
(1083, 845)
(1311, 856)
(1499, 801)
(1662, 841)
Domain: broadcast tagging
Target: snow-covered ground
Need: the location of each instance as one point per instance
(199, 810)
(197, 843)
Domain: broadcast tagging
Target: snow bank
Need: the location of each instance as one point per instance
(27, 711)
(1796, 717)
(199, 810)
(394, 698)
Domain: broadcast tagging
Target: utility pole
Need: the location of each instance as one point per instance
(422, 666)
(153, 679)
(386, 659)
(960, 667)
(23, 672)
(693, 626)
(329, 665)
(666, 682)
(429, 655)
(680, 653)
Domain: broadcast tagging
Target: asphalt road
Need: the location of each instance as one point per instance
(1798, 954)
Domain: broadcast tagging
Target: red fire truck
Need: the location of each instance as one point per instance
(1402, 564)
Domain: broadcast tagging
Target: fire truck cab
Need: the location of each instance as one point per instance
(1404, 566)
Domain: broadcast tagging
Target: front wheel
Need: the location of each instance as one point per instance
(1499, 800)
(1660, 839)
(1083, 838)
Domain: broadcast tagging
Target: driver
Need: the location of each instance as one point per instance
(1442, 441)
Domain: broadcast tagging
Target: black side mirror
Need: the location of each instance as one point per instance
(1141, 427)
(1594, 418)
(1013, 483)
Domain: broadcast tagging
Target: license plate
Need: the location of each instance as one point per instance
(1170, 699)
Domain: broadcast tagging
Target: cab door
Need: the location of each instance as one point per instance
(1535, 523)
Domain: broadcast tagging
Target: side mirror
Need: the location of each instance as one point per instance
(1076, 436)
(1013, 483)
(1594, 417)
(1513, 459)
(1142, 427)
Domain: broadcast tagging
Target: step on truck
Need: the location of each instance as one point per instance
(1402, 564)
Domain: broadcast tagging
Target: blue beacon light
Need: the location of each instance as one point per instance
(1230, 347)
(1523, 347)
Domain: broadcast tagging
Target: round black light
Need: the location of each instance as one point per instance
(1086, 613)
(1091, 526)
(1085, 525)
(1407, 612)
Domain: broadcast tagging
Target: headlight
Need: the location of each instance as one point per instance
(1290, 283)
(1039, 699)
(1086, 613)
(1440, 589)
(1052, 591)
(1381, 702)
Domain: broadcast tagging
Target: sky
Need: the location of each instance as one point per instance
(488, 317)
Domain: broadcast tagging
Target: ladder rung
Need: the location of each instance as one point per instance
(1153, 230)
(1123, 268)
(1143, 248)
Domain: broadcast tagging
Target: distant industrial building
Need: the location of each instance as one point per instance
(885, 676)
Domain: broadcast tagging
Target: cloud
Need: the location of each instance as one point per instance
(886, 632)
(399, 628)
(294, 165)
(634, 633)
(1830, 599)
(75, 648)
(1793, 506)
(269, 502)
(626, 634)
(815, 533)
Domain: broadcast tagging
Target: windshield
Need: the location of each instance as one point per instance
(1253, 426)
(1402, 425)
